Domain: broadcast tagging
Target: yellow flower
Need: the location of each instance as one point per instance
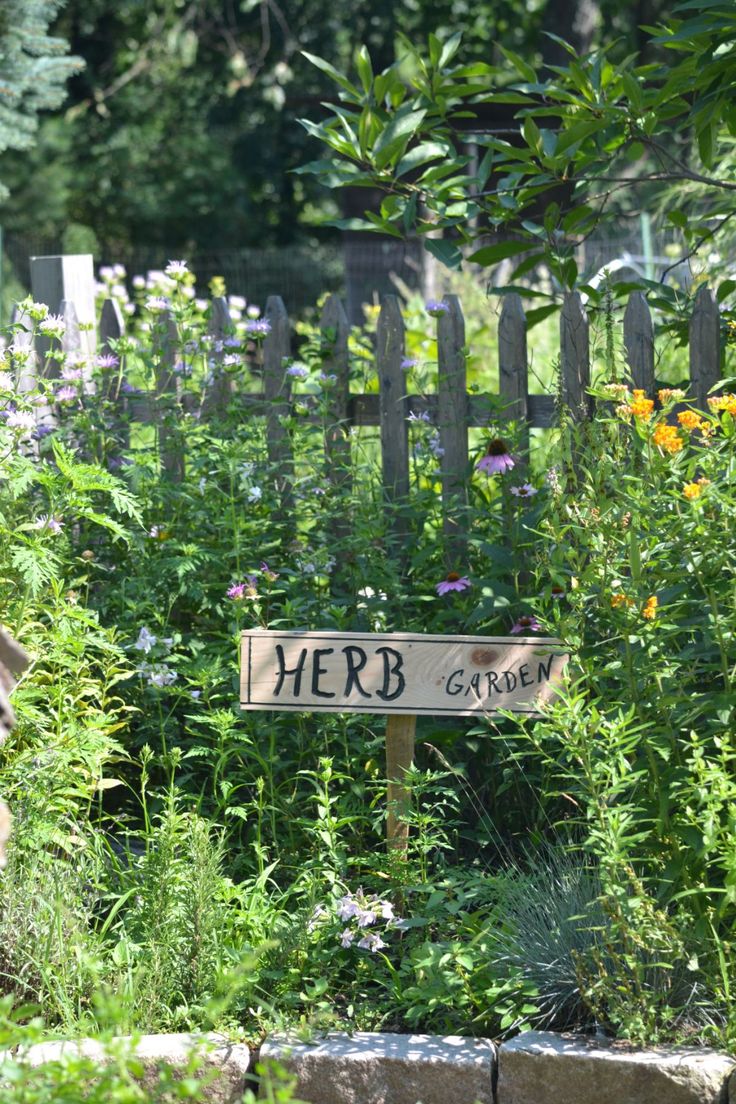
(692, 490)
(619, 599)
(649, 611)
(726, 403)
(667, 438)
(670, 394)
(689, 419)
(640, 407)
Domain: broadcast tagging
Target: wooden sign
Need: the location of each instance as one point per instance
(399, 673)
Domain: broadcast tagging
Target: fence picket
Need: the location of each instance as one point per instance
(335, 331)
(219, 390)
(277, 393)
(393, 414)
(513, 365)
(166, 341)
(575, 357)
(452, 420)
(639, 342)
(705, 346)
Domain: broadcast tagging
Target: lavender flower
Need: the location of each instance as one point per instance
(298, 371)
(408, 363)
(146, 640)
(157, 303)
(53, 524)
(437, 307)
(66, 394)
(258, 327)
(107, 360)
(21, 419)
(177, 270)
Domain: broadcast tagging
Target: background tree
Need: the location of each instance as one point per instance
(34, 69)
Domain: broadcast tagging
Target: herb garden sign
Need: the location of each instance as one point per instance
(402, 675)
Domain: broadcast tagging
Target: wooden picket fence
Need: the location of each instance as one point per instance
(452, 409)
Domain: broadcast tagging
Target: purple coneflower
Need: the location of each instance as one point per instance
(557, 591)
(526, 490)
(525, 624)
(497, 459)
(453, 581)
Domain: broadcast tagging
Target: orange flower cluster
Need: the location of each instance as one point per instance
(619, 599)
(694, 490)
(690, 420)
(723, 402)
(667, 438)
(649, 611)
(640, 406)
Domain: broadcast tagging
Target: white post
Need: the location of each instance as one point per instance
(69, 278)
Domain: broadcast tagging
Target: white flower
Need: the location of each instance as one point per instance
(387, 910)
(236, 301)
(6, 381)
(54, 525)
(176, 269)
(371, 942)
(21, 419)
(246, 469)
(157, 303)
(146, 640)
(255, 494)
(526, 490)
(53, 324)
(316, 916)
(107, 272)
(118, 271)
(347, 938)
(347, 908)
(139, 281)
(162, 676)
(366, 917)
(196, 694)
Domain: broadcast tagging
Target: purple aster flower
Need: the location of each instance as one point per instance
(525, 624)
(232, 342)
(128, 389)
(497, 459)
(436, 307)
(41, 431)
(408, 363)
(423, 417)
(258, 327)
(298, 371)
(107, 360)
(453, 581)
(53, 524)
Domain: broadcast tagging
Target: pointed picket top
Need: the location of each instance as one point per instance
(452, 415)
(575, 356)
(276, 352)
(705, 345)
(639, 342)
(513, 364)
(112, 324)
(221, 324)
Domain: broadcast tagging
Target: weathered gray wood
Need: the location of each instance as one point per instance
(277, 392)
(400, 741)
(639, 342)
(166, 344)
(452, 414)
(71, 340)
(393, 415)
(575, 357)
(705, 346)
(220, 388)
(24, 360)
(513, 367)
(513, 364)
(67, 277)
(334, 333)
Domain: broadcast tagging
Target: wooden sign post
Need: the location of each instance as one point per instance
(402, 675)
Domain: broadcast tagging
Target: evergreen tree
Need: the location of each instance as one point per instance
(34, 67)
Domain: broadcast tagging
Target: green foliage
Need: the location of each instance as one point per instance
(199, 866)
(34, 69)
(591, 131)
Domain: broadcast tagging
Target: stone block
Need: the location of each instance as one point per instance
(226, 1062)
(383, 1068)
(555, 1068)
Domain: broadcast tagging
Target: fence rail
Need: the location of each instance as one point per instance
(452, 409)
